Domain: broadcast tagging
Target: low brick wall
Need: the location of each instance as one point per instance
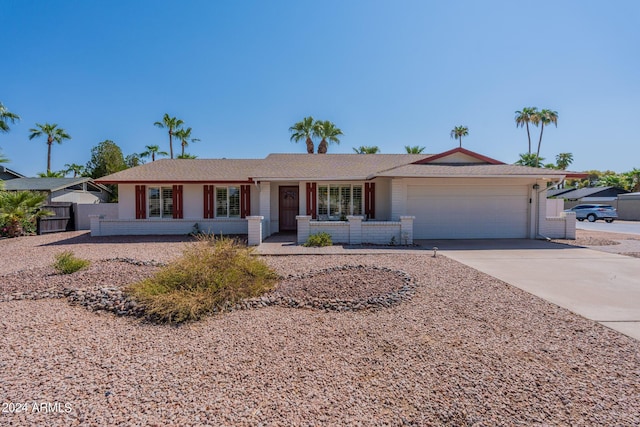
(559, 227)
(355, 231)
(124, 227)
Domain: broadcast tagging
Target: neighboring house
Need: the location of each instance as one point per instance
(587, 194)
(6, 174)
(377, 198)
(82, 190)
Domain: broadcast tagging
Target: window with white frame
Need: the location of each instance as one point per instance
(160, 202)
(336, 201)
(228, 202)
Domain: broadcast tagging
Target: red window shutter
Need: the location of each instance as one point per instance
(177, 201)
(370, 199)
(245, 201)
(311, 200)
(208, 201)
(141, 202)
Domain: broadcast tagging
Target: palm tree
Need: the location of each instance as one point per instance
(3, 159)
(563, 160)
(613, 180)
(54, 134)
(16, 207)
(363, 149)
(633, 179)
(184, 135)
(187, 156)
(51, 174)
(328, 132)
(524, 117)
(172, 124)
(75, 168)
(458, 132)
(414, 150)
(6, 116)
(528, 159)
(153, 151)
(304, 129)
(544, 117)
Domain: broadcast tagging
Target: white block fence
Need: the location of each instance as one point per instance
(355, 231)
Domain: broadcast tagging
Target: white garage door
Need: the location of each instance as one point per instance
(468, 212)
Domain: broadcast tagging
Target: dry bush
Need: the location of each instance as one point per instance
(213, 273)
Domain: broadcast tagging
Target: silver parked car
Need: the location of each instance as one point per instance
(594, 212)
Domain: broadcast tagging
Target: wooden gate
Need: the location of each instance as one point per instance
(61, 220)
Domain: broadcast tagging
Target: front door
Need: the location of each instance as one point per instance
(289, 208)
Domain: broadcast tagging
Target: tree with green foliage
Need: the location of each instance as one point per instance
(184, 135)
(416, 149)
(19, 211)
(524, 117)
(458, 132)
(133, 160)
(544, 117)
(363, 149)
(632, 179)
(75, 168)
(106, 158)
(3, 159)
(172, 124)
(328, 132)
(51, 174)
(6, 117)
(304, 130)
(153, 151)
(528, 159)
(563, 160)
(187, 156)
(53, 133)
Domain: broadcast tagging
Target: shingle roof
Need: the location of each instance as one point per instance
(332, 166)
(7, 174)
(274, 167)
(45, 184)
(187, 170)
(316, 167)
(579, 193)
(465, 170)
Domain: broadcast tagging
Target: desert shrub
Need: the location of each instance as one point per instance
(67, 263)
(212, 273)
(319, 239)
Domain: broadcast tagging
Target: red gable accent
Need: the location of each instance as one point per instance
(469, 153)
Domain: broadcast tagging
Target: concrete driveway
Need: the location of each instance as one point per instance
(599, 286)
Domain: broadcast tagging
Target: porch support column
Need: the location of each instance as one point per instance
(303, 228)
(355, 229)
(94, 221)
(406, 230)
(254, 230)
(265, 206)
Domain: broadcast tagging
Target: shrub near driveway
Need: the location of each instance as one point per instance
(213, 273)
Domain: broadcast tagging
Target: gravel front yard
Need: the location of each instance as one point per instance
(467, 349)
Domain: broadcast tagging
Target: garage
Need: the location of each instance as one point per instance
(468, 211)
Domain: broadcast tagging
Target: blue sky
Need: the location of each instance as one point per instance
(387, 73)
